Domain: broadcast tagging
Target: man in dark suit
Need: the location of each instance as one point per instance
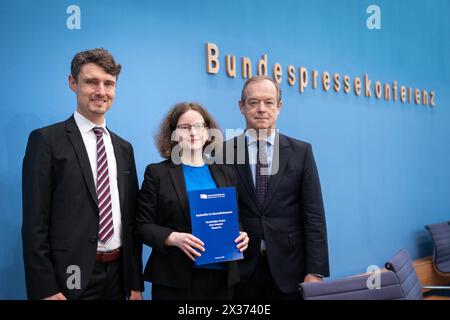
(79, 189)
(280, 201)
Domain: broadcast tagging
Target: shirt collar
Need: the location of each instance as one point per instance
(269, 139)
(85, 125)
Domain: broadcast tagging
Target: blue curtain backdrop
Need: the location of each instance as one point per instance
(384, 165)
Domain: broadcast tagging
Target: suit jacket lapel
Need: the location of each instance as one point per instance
(80, 150)
(281, 154)
(177, 177)
(121, 165)
(217, 175)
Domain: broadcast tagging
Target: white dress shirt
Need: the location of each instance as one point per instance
(90, 142)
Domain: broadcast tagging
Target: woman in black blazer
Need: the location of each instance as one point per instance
(163, 218)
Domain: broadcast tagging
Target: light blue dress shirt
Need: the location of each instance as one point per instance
(252, 148)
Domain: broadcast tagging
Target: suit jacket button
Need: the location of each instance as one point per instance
(94, 239)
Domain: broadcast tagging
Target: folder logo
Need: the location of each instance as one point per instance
(203, 196)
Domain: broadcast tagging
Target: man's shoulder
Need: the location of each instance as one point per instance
(50, 131)
(233, 141)
(54, 127)
(296, 143)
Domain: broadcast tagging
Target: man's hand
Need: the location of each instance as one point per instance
(58, 296)
(242, 241)
(135, 295)
(312, 278)
(186, 242)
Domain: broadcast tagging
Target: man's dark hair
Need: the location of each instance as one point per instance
(98, 56)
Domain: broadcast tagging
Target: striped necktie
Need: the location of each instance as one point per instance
(106, 226)
(262, 172)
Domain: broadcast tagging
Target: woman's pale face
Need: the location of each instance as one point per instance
(191, 135)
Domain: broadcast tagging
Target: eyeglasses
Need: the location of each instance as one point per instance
(187, 127)
(254, 103)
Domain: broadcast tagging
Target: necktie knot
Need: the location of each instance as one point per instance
(98, 131)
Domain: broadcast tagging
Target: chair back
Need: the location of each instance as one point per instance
(440, 234)
(401, 264)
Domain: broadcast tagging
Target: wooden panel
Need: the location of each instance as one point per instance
(427, 275)
(436, 298)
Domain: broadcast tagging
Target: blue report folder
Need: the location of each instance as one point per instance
(214, 220)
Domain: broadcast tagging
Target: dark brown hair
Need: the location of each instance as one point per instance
(256, 79)
(98, 56)
(163, 139)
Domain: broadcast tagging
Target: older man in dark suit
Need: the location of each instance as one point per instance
(280, 201)
(79, 193)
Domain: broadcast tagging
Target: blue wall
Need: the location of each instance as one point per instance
(384, 166)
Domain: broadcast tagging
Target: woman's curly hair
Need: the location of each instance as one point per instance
(163, 138)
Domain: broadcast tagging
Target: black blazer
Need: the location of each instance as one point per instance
(292, 219)
(163, 208)
(60, 212)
